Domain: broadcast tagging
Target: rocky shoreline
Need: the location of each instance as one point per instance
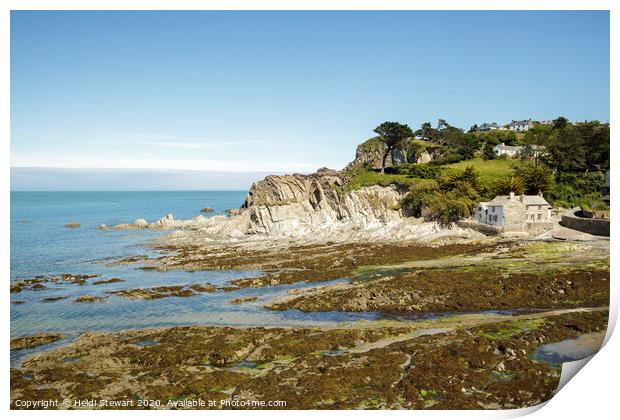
(374, 365)
(445, 348)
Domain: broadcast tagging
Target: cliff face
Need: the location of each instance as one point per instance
(284, 204)
(370, 154)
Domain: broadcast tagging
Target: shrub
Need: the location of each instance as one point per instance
(415, 170)
(535, 178)
(447, 201)
(573, 189)
(469, 175)
(506, 186)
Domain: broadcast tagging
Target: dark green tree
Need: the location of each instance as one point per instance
(560, 123)
(565, 151)
(536, 178)
(506, 186)
(392, 134)
(487, 152)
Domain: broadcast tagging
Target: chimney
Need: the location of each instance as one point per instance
(512, 195)
(540, 193)
(521, 197)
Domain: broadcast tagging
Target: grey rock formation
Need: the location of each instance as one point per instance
(280, 204)
(370, 154)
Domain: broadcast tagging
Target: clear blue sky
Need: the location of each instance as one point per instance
(284, 91)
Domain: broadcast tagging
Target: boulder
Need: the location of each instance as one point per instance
(207, 210)
(165, 222)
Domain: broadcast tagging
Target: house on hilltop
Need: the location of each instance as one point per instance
(521, 125)
(488, 127)
(515, 213)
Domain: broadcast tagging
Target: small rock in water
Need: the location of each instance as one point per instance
(102, 227)
(72, 225)
(207, 210)
(88, 298)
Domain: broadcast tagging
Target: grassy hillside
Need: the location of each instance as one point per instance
(366, 178)
(490, 170)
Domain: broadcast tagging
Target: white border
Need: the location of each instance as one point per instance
(592, 395)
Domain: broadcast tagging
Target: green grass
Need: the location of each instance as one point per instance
(366, 178)
(490, 170)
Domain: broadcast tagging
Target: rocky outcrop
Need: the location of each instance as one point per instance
(370, 154)
(286, 203)
(315, 207)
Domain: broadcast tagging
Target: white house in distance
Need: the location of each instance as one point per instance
(521, 125)
(488, 126)
(512, 151)
(515, 213)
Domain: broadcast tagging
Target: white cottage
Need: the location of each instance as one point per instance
(512, 212)
(512, 151)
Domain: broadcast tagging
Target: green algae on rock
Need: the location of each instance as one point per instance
(363, 365)
(21, 343)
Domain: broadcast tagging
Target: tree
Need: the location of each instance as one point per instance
(487, 152)
(565, 151)
(473, 128)
(596, 144)
(560, 122)
(468, 175)
(392, 134)
(536, 178)
(506, 186)
(426, 131)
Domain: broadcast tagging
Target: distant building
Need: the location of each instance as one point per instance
(488, 127)
(521, 125)
(512, 151)
(605, 191)
(512, 213)
(533, 151)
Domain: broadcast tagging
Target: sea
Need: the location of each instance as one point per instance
(42, 245)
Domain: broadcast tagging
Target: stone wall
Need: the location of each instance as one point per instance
(599, 227)
(536, 228)
(480, 227)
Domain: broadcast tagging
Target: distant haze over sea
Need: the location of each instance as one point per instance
(84, 179)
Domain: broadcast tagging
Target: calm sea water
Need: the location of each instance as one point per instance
(40, 244)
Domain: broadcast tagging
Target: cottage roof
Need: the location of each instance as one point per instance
(528, 200)
(520, 122)
(502, 200)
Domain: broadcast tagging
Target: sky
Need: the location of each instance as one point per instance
(189, 96)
